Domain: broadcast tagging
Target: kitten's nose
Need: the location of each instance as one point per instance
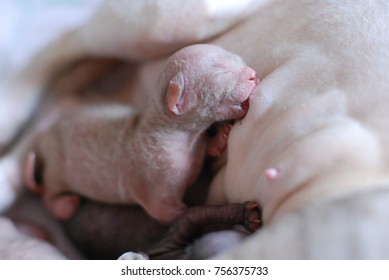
(247, 82)
(251, 75)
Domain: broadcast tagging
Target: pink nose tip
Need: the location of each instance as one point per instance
(253, 77)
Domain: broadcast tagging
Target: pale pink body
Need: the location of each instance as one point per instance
(317, 128)
(115, 154)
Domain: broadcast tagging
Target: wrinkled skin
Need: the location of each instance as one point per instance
(306, 120)
(115, 154)
(314, 139)
(317, 119)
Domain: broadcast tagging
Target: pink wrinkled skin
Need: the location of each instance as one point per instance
(319, 117)
(115, 154)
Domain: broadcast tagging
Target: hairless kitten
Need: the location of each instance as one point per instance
(102, 231)
(115, 154)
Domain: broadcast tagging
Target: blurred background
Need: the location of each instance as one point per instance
(27, 25)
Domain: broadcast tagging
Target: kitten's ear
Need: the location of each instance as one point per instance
(175, 94)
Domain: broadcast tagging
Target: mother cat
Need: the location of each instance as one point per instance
(311, 149)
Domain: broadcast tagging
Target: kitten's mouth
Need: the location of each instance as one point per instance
(242, 96)
(245, 105)
(241, 109)
(239, 100)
